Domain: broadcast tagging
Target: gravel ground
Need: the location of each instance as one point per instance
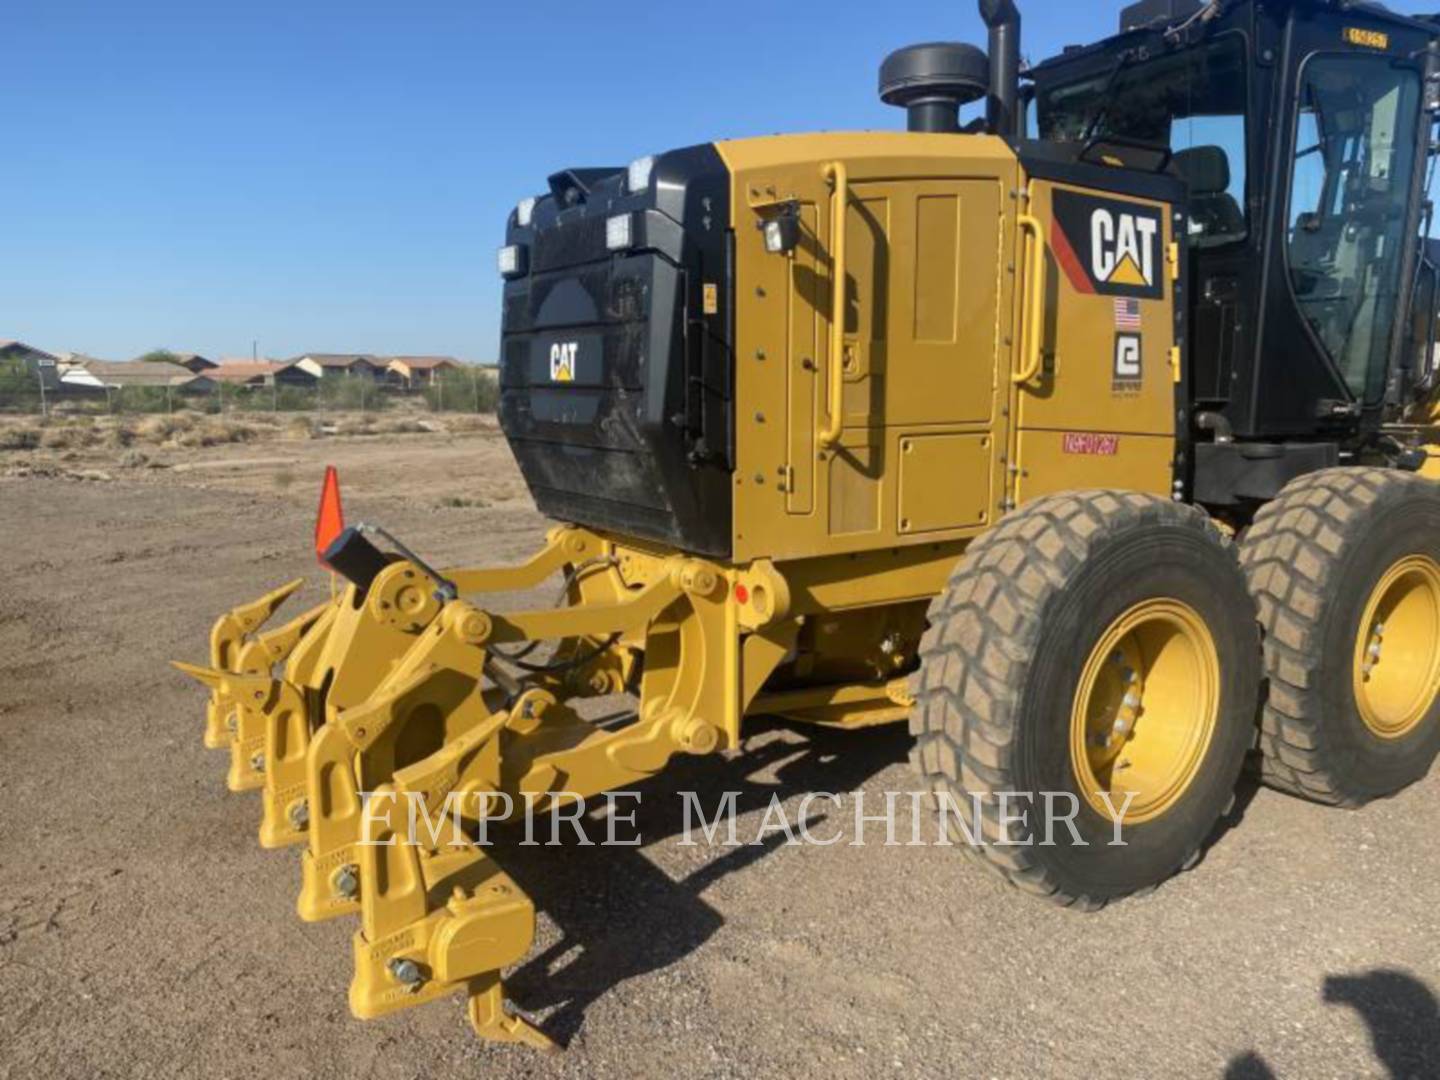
(143, 932)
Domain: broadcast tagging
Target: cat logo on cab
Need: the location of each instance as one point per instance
(1109, 247)
(562, 361)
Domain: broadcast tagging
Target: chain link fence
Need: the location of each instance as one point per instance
(41, 392)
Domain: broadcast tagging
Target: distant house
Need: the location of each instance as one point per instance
(414, 372)
(87, 371)
(37, 363)
(330, 365)
(196, 363)
(255, 373)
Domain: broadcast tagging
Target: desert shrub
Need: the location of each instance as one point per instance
(218, 432)
(293, 398)
(401, 425)
(142, 399)
(301, 427)
(161, 429)
(352, 392)
(469, 390)
(355, 425)
(463, 423)
(19, 437)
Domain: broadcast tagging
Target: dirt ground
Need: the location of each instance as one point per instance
(143, 932)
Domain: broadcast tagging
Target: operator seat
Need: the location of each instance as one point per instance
(1215, 216)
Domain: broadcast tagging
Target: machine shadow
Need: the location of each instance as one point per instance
(1401, 1012)
(596, 895)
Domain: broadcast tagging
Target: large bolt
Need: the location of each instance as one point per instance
(475, 627)
(257, 762)
(346, 881)
(406, 972)
(299, 814)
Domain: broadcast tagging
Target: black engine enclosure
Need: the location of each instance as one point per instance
(617, 371)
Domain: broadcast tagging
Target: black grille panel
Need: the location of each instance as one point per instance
(569, 244)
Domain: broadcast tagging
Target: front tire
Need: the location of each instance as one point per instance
(1345, 567)
(1094, 644)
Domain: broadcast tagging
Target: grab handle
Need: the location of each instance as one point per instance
(1034, 337)
(839, 178)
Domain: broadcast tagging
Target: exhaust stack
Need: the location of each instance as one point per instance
(1003, 19)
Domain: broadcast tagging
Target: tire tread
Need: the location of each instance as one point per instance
(984, 631)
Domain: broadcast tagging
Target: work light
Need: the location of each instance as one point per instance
(640, 171)
(619, 232)
(511, 261)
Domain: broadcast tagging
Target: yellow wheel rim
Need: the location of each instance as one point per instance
(1145, 711)
(1397, 651)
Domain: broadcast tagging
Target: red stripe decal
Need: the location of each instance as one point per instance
(1069, 261)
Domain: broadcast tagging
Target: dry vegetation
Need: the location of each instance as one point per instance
(127, 438)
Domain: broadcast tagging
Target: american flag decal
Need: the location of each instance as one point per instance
(1127, 315)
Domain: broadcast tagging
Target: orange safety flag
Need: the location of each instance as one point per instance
(330, 521)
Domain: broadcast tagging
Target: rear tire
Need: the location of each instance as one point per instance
(1337, 555)
(1045, 622)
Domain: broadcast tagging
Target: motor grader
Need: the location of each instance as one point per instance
(1088, 439)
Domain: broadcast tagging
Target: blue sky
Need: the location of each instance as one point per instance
(321, 176)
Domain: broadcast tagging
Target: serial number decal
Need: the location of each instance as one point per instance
(1370, 39)
(1088, 443)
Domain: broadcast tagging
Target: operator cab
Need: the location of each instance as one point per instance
(1300, 130)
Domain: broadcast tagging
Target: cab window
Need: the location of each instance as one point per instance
(1192, 103)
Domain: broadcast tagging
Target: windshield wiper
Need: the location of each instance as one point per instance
(1102, 109)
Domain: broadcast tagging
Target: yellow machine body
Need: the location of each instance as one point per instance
(918, 367)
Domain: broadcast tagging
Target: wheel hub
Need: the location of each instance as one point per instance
(1397, 650)
(1145, 710)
